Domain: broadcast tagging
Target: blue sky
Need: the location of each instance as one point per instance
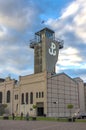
(20, 19)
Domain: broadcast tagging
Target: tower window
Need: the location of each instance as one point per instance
(50, 35)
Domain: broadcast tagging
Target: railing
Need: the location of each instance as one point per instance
(34, 42)
(60, 42)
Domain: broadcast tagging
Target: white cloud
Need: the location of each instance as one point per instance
(18, 18)
(17, 71)
(71, 27)
(70, 10)
(20, 21)
(72, 20)
(15, 59)
(69, 57)
(17, 14)
(3, 31)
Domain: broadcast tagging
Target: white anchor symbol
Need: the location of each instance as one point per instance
(52, 49)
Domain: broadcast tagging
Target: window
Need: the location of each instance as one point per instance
(36, 94)
(0, 97)
(22, 98)
(26, 98)
(39, 94)
(42, 94)
(31, 98)
(8, 96)
(16, 97)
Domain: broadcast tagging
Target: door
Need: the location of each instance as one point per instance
(40, 111)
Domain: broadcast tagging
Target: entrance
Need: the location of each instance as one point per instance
(40, 108)
(40, 111)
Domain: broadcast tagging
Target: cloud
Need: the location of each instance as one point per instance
(72, 20)
(3, 32)
(16, 60)
(17, 14)
(71, 27)
(69, 57)
(20, 19)
(16, 20)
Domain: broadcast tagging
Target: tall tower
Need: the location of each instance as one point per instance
(46, 49)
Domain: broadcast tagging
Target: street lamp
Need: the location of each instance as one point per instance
(55, 102)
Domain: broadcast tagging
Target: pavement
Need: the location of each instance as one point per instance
(40, 125)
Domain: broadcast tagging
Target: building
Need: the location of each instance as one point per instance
(85, 95)
(81, 94)
(50, 92)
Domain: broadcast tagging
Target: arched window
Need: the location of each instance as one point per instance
(0, 97)
(26, 98)
(8, 96)
(36, 94)
(42, 94)
(22, 98)
(31, 98)
(39, 94)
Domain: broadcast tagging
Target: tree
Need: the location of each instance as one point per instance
(34, 106)
(70, 106)
(34, 109)
(2, 108)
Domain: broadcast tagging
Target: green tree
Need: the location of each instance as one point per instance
(34, 110)
(34, 106)
(2, 109)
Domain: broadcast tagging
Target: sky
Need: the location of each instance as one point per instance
(20, 19)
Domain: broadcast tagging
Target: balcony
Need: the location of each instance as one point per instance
(34, 42)
(60, 42)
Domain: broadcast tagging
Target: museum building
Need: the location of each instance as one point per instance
(50, 92)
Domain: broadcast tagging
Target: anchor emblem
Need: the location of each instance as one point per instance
(52, 49)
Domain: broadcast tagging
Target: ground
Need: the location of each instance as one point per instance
(40, 125)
